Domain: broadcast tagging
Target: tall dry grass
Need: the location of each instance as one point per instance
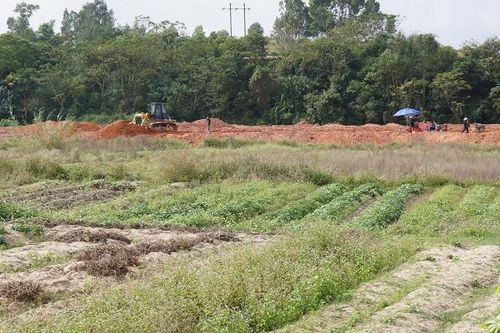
(27, 160)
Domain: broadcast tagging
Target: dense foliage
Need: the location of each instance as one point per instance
(326, 61)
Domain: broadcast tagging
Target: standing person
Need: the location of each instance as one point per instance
(209, 124)
(466, 125)
(434, 126)
(413, 123)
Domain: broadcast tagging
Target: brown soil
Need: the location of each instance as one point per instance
(417, 295)
(303, 132)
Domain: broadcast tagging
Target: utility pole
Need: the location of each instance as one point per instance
(230, 17)
(244, 9)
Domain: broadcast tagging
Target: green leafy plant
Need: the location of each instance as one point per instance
(28, 229)
(12, 211)
(493, 325)
(389, 208)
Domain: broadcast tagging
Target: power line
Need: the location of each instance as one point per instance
(245, 9)
(230, 9)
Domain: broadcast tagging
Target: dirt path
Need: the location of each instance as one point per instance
(418, 297)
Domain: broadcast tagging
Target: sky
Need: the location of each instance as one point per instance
(453, 21)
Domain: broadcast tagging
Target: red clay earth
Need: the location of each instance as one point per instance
(303, 132)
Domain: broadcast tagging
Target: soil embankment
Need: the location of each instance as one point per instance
(196, 132)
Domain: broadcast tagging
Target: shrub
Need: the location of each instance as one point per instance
(45, 169)
(389, 208)
(317, 177)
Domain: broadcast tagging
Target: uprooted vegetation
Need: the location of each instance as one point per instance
(90, 236)
(116, 259)
(108, 260)
(20, 291)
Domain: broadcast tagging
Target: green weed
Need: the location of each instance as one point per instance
(29, 229)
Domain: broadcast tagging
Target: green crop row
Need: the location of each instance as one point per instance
(300, 208)
(225, 204)
(389, 208)
(337, 208)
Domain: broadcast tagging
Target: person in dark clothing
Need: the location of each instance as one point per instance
(466, 125)
(209, 124)
(434, 126)
(413, 123)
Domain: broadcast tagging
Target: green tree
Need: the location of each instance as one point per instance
(327, 14)
(263, 87)
(451, 88)
(21, 24)
(93, 20)
(292, 24)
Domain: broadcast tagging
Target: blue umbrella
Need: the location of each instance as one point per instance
(407, 112)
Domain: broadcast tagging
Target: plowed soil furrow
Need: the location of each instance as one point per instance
(67, 243)
(62, 197)
(414, 297)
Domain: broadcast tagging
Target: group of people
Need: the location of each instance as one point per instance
(435, 126)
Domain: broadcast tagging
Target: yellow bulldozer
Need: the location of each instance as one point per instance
(157, 118)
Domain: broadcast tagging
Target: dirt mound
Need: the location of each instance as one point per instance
(302, 132)
(122, 128)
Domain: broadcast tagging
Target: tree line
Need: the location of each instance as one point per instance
(326, 61)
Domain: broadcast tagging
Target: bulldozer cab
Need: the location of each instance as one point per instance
(158, 111)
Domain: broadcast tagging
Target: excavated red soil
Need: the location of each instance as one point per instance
(303, 132)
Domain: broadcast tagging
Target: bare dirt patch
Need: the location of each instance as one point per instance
(414, 297)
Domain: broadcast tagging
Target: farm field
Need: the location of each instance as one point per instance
(145, 234)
